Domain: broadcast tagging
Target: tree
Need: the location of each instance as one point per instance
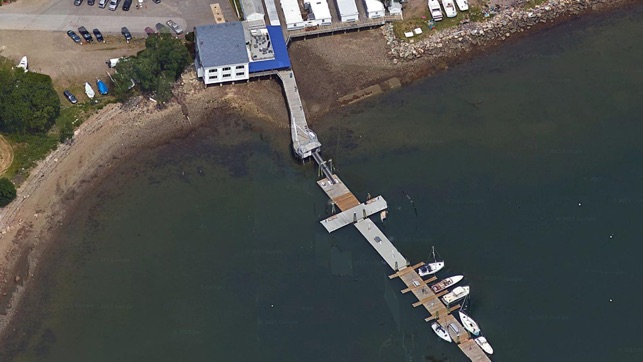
(7, 192)
(29, 102)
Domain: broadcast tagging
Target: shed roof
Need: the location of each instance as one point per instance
(319, 9)
(252, 9)
(292, 12)
(347, 7)
(221, 44)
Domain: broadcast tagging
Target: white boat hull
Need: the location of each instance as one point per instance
(441, 332)
(430, 268)
(463, 5)
(457, 294)
(486, 347)
(23, 64)
(446, 283)
(89, 91)
(449, 8)
(469, 324)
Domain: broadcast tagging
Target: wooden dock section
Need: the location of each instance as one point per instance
(473, 351)
(340, 27)
(338, 193)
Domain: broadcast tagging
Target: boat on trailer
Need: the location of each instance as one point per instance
(89, 91)
(441, 332)
(446, 283)
(431, 268)
(484, 344)
(23, 64)
(102, 87)
(434, 9)
(449, 8)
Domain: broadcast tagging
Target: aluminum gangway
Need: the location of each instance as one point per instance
(304, 140)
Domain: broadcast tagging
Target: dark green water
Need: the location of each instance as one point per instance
(525, 168)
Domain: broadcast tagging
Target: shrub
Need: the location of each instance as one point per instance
(7, 192)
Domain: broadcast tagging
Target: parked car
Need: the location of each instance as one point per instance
(102, 3)
(98, 35)
(85, 34)
(126, 33)
(126, 5)
(150, 31)
(78, 2)
(162, 28)
(74, 36)
(70, 97)
(91, 2)
(157, 1)
(113, 4)
(177, 29)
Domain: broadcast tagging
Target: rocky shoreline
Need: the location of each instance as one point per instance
(498, 28)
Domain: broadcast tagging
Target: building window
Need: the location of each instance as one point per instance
(240, 66)
(226, 75)
(212, 71)
(240, 74)
(225, 68)
(213, 77)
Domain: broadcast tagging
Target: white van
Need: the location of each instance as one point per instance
(113, 4)
(102, 3)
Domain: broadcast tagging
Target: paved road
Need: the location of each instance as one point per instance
(62, 15)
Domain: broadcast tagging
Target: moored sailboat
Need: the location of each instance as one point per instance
(457, 294)
(441, 332)
(102, 87)
(431, 268)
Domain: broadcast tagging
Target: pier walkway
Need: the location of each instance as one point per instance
(304, 140)
(339, 27)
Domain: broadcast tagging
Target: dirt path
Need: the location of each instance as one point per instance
(6, 155)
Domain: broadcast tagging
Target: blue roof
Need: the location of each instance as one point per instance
(221, 44)
(281, 61)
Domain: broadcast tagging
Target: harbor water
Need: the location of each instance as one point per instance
(523, 168)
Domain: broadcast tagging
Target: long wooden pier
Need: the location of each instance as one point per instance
(358, 214)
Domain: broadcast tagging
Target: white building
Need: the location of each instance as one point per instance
(252, 10)
(318, 12)
(221, 54)
(374, 9)
(292, 14)
(347, 10)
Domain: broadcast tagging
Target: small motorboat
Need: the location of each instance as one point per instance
(441, 332)
(468, 323)
(431, 268)
(457, 294)
(449, 8)
(446, 283)
(102, 87)
(89, 91)
(482, 342)
(23, 64)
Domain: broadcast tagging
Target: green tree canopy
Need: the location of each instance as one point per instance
(28, 102)
(7, 192)
(154, 68)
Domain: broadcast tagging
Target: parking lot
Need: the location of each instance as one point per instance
(62, 15)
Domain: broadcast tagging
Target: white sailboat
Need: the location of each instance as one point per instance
(431, 268)
(23, 63)
(482, 342)
(468, 322)
(89, 91)
(441, 332)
